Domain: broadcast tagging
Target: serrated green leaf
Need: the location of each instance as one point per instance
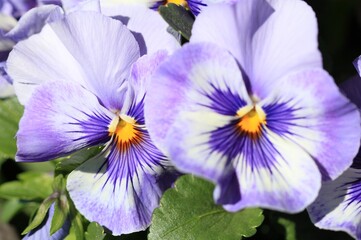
(61, 213)
(40, 215)
(31, 185)
(68, 164)
(10, 113)
(178, 18)
(187, 211)
(94, 232)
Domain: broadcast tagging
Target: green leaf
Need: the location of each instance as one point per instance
(10, 209)
(10, 113)
(94, 232)
(68, 164)
(61, 213)
(290, 228)
(187, 211)
(178, 18)
(40, 215)
(76, 224)
(31, 186)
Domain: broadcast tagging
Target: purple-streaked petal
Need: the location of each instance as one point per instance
(352, 89)
(147, 26)
(338, 206)
(142, 72)
(232, 26)
(120, 188)
(59, 119)
(286, 42)
(321, 116)
(188, 69)
(83, 5)
(33, 21)
(43, 230)
(93, 50)
(266, 42)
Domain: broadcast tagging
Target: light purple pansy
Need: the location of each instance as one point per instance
(43, 230)
(338, 206)
(83, 81)
(248, 106)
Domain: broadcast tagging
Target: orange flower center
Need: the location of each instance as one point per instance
(124, 131)
(251, 120)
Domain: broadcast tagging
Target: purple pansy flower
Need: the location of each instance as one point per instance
(248, 106)
(338, 204)
(43, 230)
(83, 80)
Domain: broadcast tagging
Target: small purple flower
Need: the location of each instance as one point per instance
(338, 205)
(83, 81)
(248, 106)
(43, 230)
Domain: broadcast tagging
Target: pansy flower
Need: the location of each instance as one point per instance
(339, 202)
(83, 81)
(248, 106)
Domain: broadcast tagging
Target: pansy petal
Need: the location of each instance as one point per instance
(352, 89)
(188, 69)
(338, 206)
(43, 230)
(77, 44)
(59, 119)
(81, 5)
(142, 71)
(120, 188)
(148, 27)
(291, 44)
(22, 6)
(33, 21)
(268, 172)
(315, 116)
(232, 26)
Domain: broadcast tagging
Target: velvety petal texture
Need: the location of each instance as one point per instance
(33, 21)
(43, 230)
(147, 26)
(270, 152)
(286, 25)
(59, 119)
(77, 45)
(339, 202)
(338, 205)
